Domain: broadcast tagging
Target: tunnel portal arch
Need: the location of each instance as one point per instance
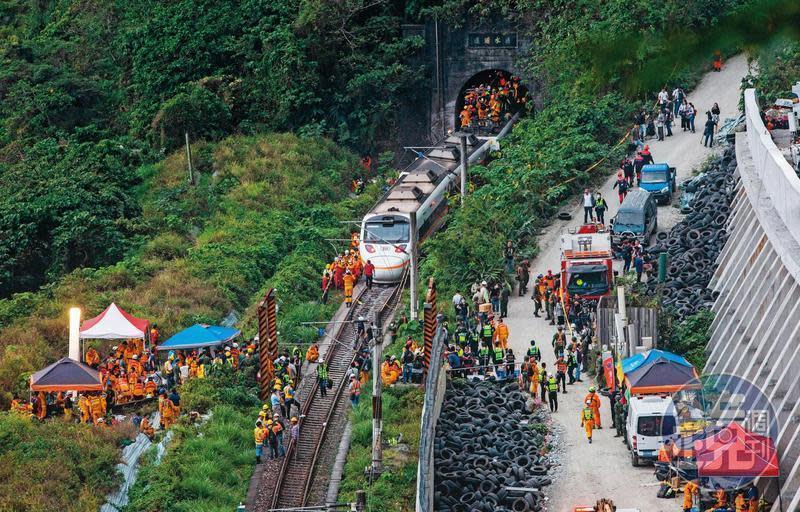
(489, 81)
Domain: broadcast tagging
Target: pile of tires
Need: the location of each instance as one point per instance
(694, 243)
(483, 448)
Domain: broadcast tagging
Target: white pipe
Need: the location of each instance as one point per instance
(75, 333)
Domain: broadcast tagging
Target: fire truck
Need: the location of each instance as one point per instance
(586, 263)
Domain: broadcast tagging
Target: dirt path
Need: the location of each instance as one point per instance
(603, 469)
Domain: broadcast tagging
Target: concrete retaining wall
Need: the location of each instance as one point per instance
(757, 327)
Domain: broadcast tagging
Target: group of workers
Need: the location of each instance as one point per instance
(740, 500)
(487, 104)
(345, 271)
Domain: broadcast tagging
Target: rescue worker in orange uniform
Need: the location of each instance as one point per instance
(150, 388)
(466, 117)
(41, 405)
(665, 452)
(595, 404)
(740, 502)
(550, 280)
(146, 428)
(313, 353)
(92, 358)
(349, 281)
(587, 419)
(134, 366)
(722, 498)
(354, 241)
(501, 333)
(168, 410)
(690, 490)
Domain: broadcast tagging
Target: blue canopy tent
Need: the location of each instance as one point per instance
(198, 336)
(635, 362)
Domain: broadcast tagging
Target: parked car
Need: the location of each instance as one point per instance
(637, 217)
(659, 180)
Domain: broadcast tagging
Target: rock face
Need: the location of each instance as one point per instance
(694, 243)
(486, 442)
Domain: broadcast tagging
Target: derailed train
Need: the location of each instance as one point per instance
(422, 188)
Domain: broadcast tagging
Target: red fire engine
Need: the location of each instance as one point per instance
(586, 263)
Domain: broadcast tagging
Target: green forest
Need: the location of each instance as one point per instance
(278, 99)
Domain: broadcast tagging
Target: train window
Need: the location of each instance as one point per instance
(387, 232)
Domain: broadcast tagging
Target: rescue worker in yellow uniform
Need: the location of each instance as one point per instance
(690, 490)
(83, 406)
(595, 405)
(97, 406)
(587, 420)
(349, 283)
(259, 434)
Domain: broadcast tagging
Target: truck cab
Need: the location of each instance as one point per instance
(652, 419)
(586, 263)
(659, 180)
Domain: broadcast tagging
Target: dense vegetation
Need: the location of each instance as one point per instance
(778, 70)
(213, 248)
(395, 490)
(85, 473)
(91, 90)
(207, 466)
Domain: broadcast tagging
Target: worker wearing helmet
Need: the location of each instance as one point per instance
(587, 419)
(552, 392)
(595, 405)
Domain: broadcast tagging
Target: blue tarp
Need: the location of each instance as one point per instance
(651, 356)
(200, 335)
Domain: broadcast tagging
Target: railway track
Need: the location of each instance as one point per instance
(292, 484)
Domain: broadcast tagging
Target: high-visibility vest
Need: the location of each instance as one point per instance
(322, 371)
(588, 414)
(483, 352)
(552, 385)
(533, 352)
(487, 330)
(461, 337)
(543, 375)
(498, 354)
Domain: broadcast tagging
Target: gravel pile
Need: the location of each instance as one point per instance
(486, 443)
(695, 242)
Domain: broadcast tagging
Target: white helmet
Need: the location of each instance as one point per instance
(235, 345)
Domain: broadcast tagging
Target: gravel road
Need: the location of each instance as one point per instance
(602, 469)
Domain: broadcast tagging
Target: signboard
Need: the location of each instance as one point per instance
(492, 40)
(608, 370)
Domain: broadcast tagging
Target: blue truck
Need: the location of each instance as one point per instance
(659, 180)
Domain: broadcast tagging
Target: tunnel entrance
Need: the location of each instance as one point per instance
(490, 97)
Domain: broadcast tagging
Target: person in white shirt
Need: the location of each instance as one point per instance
(588, 206)
(663, 98)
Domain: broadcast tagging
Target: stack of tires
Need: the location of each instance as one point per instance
(694, 243)
(486, 444)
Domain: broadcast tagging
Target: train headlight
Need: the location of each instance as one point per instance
(399, 248)
(370, 249)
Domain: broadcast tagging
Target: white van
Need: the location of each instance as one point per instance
(651, 420)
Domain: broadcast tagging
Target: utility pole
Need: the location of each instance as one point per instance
(189, 158)
(377, 403)
(413, 264)
(464, 166)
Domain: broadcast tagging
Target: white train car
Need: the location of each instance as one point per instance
(423, 188)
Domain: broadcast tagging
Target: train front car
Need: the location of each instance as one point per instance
(384, 242)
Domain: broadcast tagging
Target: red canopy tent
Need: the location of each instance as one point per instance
(735, 452)
(114, 323)
(66, 375)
